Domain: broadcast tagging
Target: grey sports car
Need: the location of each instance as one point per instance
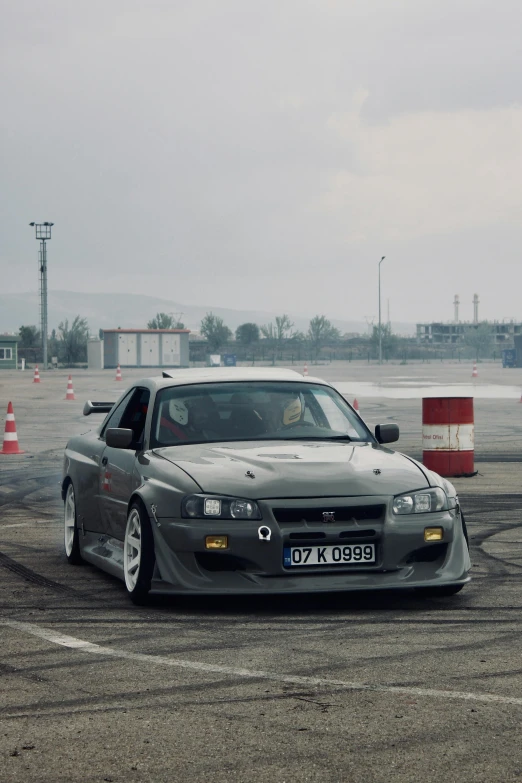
(255, 481)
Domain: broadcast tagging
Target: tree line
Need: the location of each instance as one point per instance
(273, 341)
(68, 343)
(274, 336)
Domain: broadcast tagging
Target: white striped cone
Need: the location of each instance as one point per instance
(36, 378)
(10, 437)
(118, 373)
(474, 374)
(70, 390)
(305, 371)
(355, 405)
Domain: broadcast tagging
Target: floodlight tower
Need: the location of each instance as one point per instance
(43, 233)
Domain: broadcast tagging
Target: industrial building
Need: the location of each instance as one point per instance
(8, 351)
(144, 348)
(454, 332)
(438, 333)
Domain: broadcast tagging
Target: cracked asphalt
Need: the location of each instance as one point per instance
(382, 687)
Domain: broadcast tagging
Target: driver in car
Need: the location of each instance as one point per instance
(190, 419)
(285, 411)
(174, 422)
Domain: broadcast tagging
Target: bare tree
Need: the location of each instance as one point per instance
(276, 334)
(161, 321)
(321, 332)
(215, 331)
(72, 341)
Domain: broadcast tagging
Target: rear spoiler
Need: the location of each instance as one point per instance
(97, 407)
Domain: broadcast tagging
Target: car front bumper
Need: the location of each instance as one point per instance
(251, 565)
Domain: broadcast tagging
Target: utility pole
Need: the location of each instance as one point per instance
(380, 324)
(43, 233)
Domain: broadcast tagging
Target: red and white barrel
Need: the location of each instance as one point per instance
(448, 435)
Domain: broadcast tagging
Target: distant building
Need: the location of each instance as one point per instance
(437, 333)
(145, 347)
(9, 351)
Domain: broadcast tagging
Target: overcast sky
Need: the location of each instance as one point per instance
(267, 153)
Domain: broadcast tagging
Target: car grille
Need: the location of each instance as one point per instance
(292, 516)
(310, 535)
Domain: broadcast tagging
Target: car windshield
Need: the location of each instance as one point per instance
(260, 410)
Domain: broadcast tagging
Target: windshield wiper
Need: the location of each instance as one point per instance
(319, 437)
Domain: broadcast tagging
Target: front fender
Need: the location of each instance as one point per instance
(162, 484)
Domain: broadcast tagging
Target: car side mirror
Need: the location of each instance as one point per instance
(387, 433)
(118, 437)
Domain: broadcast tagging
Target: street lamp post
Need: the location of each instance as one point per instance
(380, 330)
(43, 233)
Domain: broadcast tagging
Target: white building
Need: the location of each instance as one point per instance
(146, 347)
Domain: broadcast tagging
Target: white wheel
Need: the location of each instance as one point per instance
(132, 549)
(138, 554)
(70, 531)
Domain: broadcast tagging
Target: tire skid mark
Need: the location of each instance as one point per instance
(238, 673)
(31, 576)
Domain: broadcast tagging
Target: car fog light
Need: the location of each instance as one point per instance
(216, 542)
(212, 507)
(433, 533)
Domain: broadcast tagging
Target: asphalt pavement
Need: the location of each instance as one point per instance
(380, 687)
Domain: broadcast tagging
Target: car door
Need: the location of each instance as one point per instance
(117, 468)
(86, 483)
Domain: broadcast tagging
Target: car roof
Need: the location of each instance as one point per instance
(184, 377)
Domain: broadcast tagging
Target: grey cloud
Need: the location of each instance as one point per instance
(187, 145)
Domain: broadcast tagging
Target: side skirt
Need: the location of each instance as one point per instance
(103, 552)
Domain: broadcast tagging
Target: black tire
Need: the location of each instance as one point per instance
(138, 580)
(71, 533)
(442, 591)
(464, 528)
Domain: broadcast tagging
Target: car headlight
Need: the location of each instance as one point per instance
(423, 501)
(218, 507)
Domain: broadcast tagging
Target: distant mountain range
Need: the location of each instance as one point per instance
(112, 310)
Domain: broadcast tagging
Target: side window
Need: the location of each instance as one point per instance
(136, 413)
(115, 417)
(308, 415)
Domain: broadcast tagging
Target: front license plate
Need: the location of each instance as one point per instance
(349, 554)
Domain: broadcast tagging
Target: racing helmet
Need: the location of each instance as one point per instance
(291, 408)
(201, 409)
(178, 412)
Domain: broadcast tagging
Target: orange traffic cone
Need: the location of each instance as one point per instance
(305, 371)
(474, 374)
(36, 378)
(355, 405)
(520, 400)
(118, 373)
(10, 437)
(70, 390)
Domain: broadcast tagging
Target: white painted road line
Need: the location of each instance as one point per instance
(97, 649)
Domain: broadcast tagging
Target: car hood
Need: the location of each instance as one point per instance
(297, 470)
